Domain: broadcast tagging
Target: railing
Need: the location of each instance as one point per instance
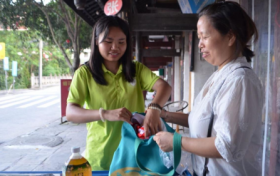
(47, 80)
(36, 173)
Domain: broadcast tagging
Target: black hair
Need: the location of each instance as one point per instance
(94, 64)
(230, 17)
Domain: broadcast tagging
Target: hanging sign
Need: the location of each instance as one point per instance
(14, 68)
(112, 7)
(193, 6)
(2, 51)
(6, 63)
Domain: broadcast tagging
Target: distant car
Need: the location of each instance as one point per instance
(150, 95)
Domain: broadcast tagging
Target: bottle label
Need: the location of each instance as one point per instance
(78, 170)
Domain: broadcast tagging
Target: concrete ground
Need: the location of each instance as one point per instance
(30, 156)
(46, 148)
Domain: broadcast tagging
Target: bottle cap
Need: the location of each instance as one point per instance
(75, 149)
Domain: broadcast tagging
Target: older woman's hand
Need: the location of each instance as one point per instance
(164, 140)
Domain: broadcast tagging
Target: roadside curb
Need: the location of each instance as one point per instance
(18, 91)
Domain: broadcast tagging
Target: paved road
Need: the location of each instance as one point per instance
(24, 112)
(31, 136)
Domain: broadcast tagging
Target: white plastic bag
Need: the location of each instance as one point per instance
(168, 157)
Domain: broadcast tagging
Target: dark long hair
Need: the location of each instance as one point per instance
(95, 62)
(230, 17)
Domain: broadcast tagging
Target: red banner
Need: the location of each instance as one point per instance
(64, 90)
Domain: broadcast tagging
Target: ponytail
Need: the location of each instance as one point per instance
(248, 53)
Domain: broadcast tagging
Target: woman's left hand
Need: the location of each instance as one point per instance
(164, 140)
(152, 123)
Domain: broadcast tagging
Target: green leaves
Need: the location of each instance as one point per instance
(23, 47)
(34, 16)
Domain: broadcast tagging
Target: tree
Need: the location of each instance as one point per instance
(23, 47)
(20, 47)
(54, 21)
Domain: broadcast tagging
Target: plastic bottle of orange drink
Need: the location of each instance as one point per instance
(77, 165)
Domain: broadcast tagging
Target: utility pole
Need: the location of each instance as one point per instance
(40, 63)
(6, 68)
(6, 77)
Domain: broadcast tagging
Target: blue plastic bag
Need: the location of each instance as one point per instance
(136, 156)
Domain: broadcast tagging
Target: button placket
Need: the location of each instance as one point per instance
(117, 82)
(116, 85)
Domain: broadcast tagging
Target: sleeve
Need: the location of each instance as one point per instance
(78, 89)
(238, 111)
(146, 77)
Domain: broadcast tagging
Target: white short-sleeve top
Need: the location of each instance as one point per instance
(237, 120)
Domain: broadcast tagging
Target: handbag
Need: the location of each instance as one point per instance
(205, 169)
(135, 156)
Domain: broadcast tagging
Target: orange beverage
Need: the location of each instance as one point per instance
(77, 164)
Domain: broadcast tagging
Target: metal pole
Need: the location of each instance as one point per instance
(40, 63)
(253, 42)
(267, 106)
(6, 76)
(14, 81)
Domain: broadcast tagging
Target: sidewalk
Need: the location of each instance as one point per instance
(45, 149)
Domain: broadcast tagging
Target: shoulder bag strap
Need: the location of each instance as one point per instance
(205, 169)
(177, 155)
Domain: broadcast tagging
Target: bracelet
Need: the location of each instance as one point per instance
(155, 105)
(152, 107)
(101, 115)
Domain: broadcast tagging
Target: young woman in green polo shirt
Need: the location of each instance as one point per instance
(110, 87)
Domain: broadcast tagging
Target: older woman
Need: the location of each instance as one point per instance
(231, 100)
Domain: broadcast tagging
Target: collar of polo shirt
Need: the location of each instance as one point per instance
(108, 71)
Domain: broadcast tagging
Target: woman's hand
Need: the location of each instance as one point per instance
(164, 140)
(152, 123)
(121, 114)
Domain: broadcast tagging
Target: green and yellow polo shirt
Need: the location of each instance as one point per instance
(103, 137)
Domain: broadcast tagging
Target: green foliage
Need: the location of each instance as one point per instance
(2, 76)
(16, 13)
(23, 13)
(57, 61)
(85, 35)
(49, 70)
(23, 47)
(24, 78)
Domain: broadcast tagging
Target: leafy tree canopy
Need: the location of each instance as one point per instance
(54, 22)
(22, 46)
